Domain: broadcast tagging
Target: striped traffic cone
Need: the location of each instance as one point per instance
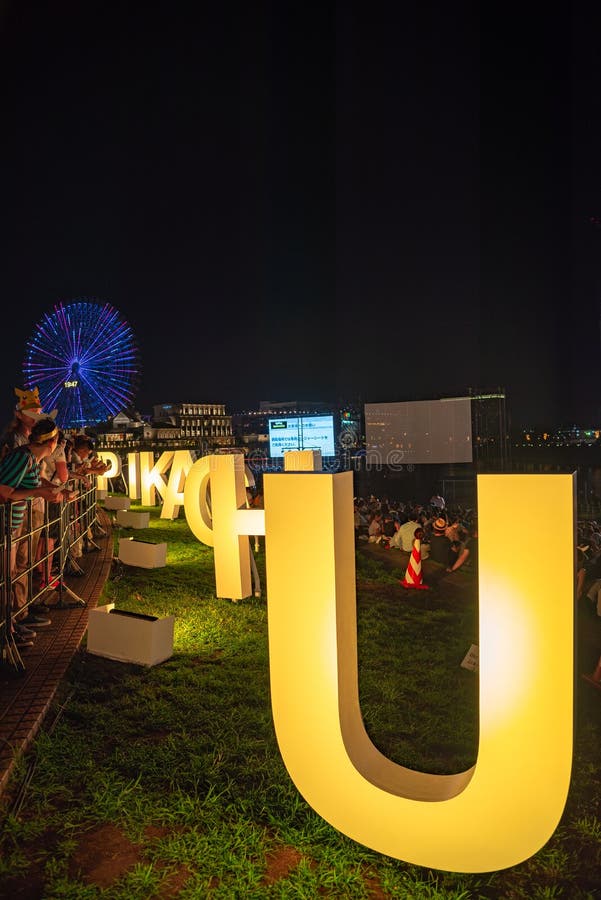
(413, 576)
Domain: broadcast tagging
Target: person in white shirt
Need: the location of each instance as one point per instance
(403, 538)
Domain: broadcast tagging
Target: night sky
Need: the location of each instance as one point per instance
(312, 201)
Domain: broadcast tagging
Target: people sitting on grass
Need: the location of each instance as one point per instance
(460, 555)
(594, 596)
(588, 576)
(455, 530)
(403, 539)
(375, 529)
(388, 527)
(440, 545)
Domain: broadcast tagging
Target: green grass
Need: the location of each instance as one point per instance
(167, 782)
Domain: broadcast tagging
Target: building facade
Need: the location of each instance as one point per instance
(205, 424)
(198, 427)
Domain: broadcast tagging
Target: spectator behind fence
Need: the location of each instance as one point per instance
(20, 470)
(54, 466)
(16, 434)
(55, 470)
(27, 410)
(83, 460)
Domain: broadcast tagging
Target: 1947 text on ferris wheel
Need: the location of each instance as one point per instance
(84, 359)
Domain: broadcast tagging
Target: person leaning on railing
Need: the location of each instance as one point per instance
(20, 474)
(84, 461)
(27, 412)
(53, 468)
(82, 465)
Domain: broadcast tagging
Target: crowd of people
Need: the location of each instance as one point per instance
(38, 463)
(448, 536)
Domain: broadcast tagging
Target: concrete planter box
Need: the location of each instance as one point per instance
(117, 502)
(101, 493)
(144, 554)
(132, 519)
(143, 640)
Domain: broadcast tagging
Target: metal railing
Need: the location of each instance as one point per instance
(36, 557)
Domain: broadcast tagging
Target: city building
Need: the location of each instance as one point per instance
(198, 427)
(205, 424)
(562, 436)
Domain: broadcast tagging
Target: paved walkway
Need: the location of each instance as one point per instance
(25, 698)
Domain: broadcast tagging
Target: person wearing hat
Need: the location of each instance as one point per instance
(440, 545)
(26, 413)
(20, 471)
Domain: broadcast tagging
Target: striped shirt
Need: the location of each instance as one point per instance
(19, 469)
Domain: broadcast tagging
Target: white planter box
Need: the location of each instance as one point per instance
(117, 502)
(132, 519)
(144, 554)
(127, 638)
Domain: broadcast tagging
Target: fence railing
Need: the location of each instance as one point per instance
(37, 556)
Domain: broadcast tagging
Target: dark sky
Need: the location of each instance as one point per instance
(312, 201)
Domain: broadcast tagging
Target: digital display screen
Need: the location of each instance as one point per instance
(419, 431)
(301, 433)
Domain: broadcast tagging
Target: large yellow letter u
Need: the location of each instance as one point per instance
(507, 806)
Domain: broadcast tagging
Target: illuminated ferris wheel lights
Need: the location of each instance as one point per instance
(84, 359)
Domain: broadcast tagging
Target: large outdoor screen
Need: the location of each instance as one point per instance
(419, 431)
(301, 433)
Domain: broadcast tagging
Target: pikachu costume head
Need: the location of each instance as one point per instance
(29, 403)
(28, 399)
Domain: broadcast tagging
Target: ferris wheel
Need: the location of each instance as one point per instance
(84, 359)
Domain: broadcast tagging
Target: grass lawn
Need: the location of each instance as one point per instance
(167, 782)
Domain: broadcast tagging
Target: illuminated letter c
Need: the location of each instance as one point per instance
(222, 522)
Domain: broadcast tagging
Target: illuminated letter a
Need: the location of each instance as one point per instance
(507, 806)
